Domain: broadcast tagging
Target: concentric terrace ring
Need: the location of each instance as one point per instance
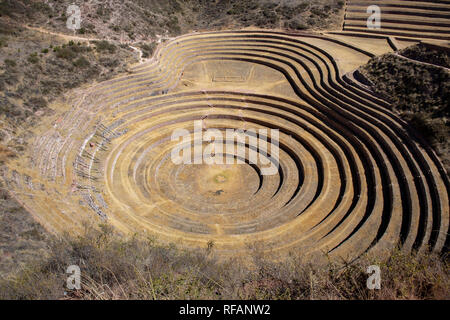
(352, 176)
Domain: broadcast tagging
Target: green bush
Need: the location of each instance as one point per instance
(65, 53)
(287, 12)
(81, 62)
(9, 8)
(147, 49)
(115, 28)
(10, 63)
(41, 7)
(173, 26)
(104, 46)
(434, 130)
(33, 58)
(37, 103)
(296, 25)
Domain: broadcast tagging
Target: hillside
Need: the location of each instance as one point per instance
(145, 20)
(143, 269)
(418, 88)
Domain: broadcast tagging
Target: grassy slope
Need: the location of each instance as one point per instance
(21, 238)
(36, 68)
(116, 268)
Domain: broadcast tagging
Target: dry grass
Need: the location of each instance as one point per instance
(138, 268)
(21, 238)
(36, 69)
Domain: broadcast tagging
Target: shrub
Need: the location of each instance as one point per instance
(81, 62)
(66, 53)
(433, 130)
(41, 7)
(296, 25)
(37, 103)
(172, 25)
(48, 86)
(104, 46)
(147, 49)
(33, 58)
(10, 63)
(9, 8)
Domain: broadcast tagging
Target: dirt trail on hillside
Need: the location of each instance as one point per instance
(77, 38)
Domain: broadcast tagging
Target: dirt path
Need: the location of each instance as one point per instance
(78, 38)
(62, 35)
